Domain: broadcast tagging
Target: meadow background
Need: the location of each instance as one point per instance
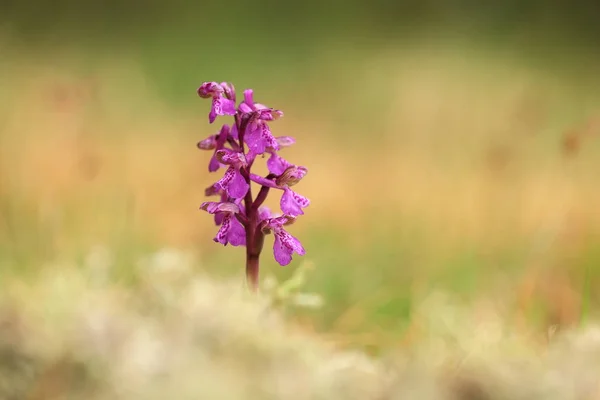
(452, 149)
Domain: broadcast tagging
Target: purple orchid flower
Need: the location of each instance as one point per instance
(284, 244)
(242, 218)
(212, 191)
(258, 135)
(231, 231)
(233, 182)
(291, 203)
(216, 143)
(223, 99)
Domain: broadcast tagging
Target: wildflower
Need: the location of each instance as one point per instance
(231, 231)
(285, 244)
(221, 104)
(216, 143)
(258, 136)
(292, 175)
(242, 219)
(211, 191)
(232, 182)
(291, 203)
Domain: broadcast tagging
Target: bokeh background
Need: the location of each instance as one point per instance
(451, 146)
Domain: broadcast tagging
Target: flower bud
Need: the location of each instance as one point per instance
(209, 89)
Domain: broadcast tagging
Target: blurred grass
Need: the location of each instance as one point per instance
(433, 165)
(71, 333)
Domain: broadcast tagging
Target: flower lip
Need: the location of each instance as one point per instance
(231, 231)
(285, 245)
(292, 203)
(233, 183)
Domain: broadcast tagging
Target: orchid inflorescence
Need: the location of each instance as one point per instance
(243, 220)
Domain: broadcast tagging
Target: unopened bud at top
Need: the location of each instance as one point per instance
(210, 89)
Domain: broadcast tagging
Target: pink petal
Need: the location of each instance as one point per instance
(234, 132)
(212, 115)
(221, 106)
(268, 137)
(221, 236)
(284, 246)
(283, 254)
(223, 183)
(238, 187)
(237, 233)
(222, 136)
(214, 164)
(253, 138)
(259, 138)
(293, 243)
(249, 98)
(300, 200)
(276, 164)
(245, 108)
(292, 203)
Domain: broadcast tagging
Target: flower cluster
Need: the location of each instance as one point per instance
(242, 218)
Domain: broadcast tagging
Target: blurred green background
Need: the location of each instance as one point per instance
(450, 145)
